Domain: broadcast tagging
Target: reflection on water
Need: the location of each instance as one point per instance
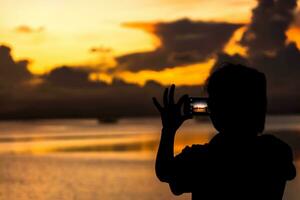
(89, 135)
(84, 159)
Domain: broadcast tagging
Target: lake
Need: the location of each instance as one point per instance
(85, 159)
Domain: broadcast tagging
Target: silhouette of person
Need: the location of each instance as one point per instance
(238, 162)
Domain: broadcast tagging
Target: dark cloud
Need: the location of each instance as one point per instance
(270, 20)
(67, 76)
(67, 92)
(13, 75)
(283, 72)
(269, 52)
(10, 70)
(28, 29)
(182, 42)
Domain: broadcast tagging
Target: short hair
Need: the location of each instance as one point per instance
(237, 97)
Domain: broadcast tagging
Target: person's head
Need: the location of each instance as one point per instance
(237, 99)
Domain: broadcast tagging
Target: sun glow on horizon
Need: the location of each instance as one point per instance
(194, 74)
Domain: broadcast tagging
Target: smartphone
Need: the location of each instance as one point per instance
(198, 106)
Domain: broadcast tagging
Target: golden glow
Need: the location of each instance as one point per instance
(101, 77)
(233, 46)
(148, 27)
(181, 75)
(60, 32)
(34, 82)
(293, 34)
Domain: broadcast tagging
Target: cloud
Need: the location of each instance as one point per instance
(13, 75)
(27, 29)
(67, 76)
(11, 70)
(182, 42)
(67, 92)
(269, 52)
(267, 32)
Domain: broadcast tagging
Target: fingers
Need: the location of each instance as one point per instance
(166, 97)
(182, 100)
(171, 95)
(157, 105)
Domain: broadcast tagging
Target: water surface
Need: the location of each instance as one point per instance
(84, 159)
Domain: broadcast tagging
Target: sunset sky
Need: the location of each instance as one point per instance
(51, 33)
(96, 52)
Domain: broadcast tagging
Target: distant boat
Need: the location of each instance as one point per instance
(108, 120)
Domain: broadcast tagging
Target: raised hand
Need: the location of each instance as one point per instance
(171, 114)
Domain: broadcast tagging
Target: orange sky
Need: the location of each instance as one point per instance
(51, 33)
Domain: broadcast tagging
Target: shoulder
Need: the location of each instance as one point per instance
(270, 138)
(274, 144)
(279, 153)
(196, 150)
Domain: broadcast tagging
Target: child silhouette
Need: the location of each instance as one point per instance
(239, 162)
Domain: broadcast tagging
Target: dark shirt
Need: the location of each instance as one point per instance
(255, 168)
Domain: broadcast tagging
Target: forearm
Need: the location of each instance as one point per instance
(165, 155)
(172, 118)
